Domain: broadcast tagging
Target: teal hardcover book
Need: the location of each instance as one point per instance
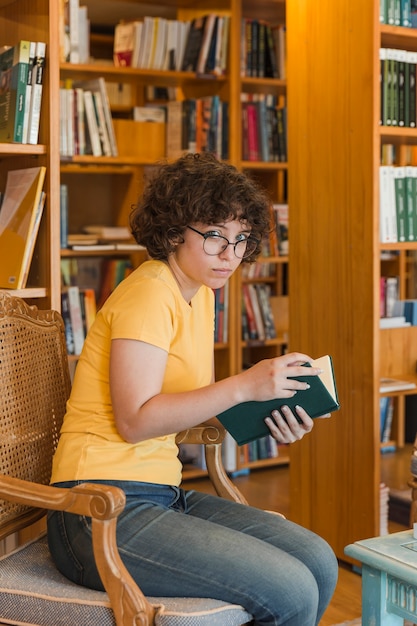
(245, 421)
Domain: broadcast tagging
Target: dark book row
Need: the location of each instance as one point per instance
(263, 49)
(197, 125)
(398, 87)
(264, 130)
(258, 323)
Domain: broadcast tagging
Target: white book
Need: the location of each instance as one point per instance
(147, 38)
(171, 52)
(183, 30)
(159, 43)
(229, 450)
(80, 120)
(99, 85)
(388, 215)
(84, 35)
(74, 31)
(218, 50)
(36, 95)
(76, 318)
(63, 140)
(101, 123)
(69, 93)
(92, 124)
(386, 385)
(137, 37)
(393, 322)
(28, 92)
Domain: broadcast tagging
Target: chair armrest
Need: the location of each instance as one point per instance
(212, 436)
(103, 503)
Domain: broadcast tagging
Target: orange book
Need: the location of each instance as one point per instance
(19, 220)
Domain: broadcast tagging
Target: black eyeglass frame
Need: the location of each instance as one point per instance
(229, 243)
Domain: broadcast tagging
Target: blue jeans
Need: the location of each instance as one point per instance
(186, 543)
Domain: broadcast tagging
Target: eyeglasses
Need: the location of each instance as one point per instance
(215, 244)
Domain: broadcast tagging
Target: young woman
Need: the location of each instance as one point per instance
(146, 372)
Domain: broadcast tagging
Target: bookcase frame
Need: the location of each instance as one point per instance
(334, 145)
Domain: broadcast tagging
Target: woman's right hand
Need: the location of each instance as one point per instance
(273, 378)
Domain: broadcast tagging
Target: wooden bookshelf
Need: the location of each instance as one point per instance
(335, 139)
(37, 21)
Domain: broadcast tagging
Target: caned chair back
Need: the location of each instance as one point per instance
(35, 386)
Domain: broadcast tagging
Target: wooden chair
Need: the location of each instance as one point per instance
(35, 385)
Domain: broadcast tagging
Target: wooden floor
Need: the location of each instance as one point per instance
(269, 489)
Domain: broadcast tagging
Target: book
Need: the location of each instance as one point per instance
(36, 95)
(245, 421)
(74, 302)
(193, 44)
(31, 240)
(14, 68)
(124, 44)
(388, 385)
(97, 87)
(18, 223)
(92, 124)
(28, 91)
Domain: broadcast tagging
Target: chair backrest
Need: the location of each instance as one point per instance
(35, 385)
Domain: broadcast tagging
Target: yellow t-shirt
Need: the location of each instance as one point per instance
(146, 306)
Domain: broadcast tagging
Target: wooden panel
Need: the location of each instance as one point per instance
(398, 351)
(334, 259)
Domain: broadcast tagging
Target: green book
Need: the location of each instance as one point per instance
(14, 68)
(245, 421)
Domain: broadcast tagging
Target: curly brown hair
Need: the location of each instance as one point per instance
(196, 188)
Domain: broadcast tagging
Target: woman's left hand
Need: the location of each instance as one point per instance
(286, 427)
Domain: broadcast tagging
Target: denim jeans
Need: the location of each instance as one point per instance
(186, 543)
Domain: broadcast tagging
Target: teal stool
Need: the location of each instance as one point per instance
(389, 578)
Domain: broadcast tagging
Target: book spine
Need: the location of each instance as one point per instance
(76, 318)
(92, 123)
(65, 311)
(63, 207)
(28, 92)
(14, 65)
(399, 187)
(36, 96)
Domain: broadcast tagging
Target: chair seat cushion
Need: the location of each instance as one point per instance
(32, 591)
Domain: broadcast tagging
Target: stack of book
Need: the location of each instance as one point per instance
(86, 124)
(197, 125)
(74, 35)
(398, 203)
(78, 312)
(21, 83)
(398, 87)
(397, 13)
(258, 323)
(199, 45)
(263, 49)
(264, 128)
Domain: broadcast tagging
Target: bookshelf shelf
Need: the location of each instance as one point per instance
(18, 149)
(139, 76)
(29, 293)
(398, 37)
(264, 165)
